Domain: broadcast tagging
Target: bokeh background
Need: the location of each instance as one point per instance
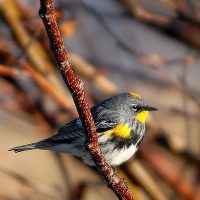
(147, 46)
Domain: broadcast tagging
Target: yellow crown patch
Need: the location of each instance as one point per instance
(135, 95)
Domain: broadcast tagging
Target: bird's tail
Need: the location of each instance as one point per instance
(23, 148)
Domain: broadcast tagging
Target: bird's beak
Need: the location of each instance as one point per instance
(150, 108)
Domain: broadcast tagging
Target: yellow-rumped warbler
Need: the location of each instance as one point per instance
(120, 125)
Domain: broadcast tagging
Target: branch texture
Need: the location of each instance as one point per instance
(77, 90)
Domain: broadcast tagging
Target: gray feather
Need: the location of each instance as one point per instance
(23, 148)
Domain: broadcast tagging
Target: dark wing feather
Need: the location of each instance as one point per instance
(68, 133)
(104, 120)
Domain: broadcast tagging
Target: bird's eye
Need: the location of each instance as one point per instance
(134, 107)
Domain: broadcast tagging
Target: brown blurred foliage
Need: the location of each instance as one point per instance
(151, 47)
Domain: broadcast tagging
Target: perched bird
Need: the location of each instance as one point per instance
(120, 125)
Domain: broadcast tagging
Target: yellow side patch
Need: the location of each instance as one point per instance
(142, 116)
(135, 95)
(121, 130)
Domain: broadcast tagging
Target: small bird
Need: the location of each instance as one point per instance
(120, 124)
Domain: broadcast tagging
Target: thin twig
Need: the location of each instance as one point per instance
(169, 171)
(135, 169)
(65, 175)
(36, 76)
(77, 90)
(7, 71)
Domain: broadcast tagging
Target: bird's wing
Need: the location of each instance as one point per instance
(105, 119)
(68, 133)
(73, 130)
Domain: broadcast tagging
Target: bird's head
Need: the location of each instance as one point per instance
(122, 111)
(138, 107)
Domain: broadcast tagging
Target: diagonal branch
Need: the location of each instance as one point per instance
(77, 90)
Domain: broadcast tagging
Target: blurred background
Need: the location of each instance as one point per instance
(147, 46)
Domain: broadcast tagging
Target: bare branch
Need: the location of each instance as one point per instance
(77, 90)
